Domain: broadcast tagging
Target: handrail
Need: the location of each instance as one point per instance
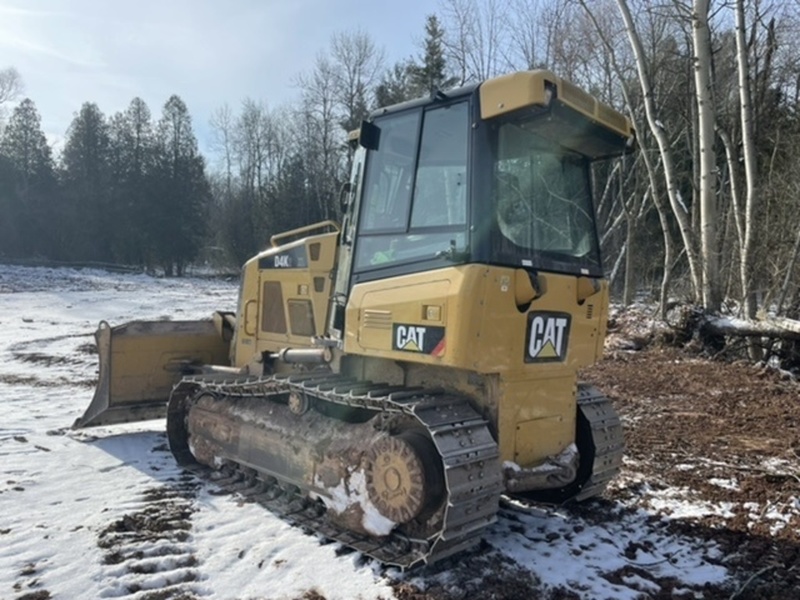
(279, 236)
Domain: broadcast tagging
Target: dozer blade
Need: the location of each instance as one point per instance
(141, 361)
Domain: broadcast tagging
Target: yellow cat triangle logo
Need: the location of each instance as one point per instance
(411, 345)
(548, 351)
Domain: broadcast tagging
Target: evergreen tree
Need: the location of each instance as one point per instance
(431, 75)
(30, 223)
(86, 180)
(25, 145)
(132, 162)
(181, 191)
(408, 79)
(396, 85)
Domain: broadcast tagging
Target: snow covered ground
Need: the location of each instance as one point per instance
(105, 512)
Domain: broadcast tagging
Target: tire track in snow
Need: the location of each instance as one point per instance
(149, 552)
(54, 361)
(29, 567)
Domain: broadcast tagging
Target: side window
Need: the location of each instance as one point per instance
(390, 173)
(417, 211)
(440, 190)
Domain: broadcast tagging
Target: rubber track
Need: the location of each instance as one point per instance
(469, 455)
(607, 436)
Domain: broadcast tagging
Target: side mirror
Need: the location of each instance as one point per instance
(369, 135)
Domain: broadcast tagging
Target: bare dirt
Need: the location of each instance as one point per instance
(728, 431)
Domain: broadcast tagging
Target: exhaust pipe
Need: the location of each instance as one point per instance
(305, 355)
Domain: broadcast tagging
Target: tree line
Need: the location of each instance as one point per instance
(705, 208)
(125, 190)
(128, 190)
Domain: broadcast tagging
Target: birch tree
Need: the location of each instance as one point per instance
(10, 84)
(10, 89)
(222, 141)
(320, 136)
(749, 156)
(531, 28)
(653, 188)
(701, 45)
(656, 128)
(357, 63)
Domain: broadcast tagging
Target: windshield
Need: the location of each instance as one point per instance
(542, 203)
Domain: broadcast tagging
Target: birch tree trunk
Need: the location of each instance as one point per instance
(701, 41)
(629, 288)
(748, 150)
(678, 209)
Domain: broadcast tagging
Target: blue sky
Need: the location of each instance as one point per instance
(208, 52)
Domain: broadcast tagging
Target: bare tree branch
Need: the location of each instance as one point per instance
(11, 86)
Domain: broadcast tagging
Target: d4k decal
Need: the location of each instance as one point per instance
(548, 334)
(418, 338)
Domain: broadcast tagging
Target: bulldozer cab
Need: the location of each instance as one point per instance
(495, 173)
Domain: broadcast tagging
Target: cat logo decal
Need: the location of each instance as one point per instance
(548, 334)
(418, 338)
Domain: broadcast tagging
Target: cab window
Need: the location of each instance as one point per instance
(389, 175)
(416, 208)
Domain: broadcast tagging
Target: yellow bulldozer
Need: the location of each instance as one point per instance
(384, 381)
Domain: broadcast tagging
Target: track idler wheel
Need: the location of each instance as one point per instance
(402, 476)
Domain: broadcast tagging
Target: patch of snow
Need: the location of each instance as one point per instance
(780, 513)
(776, 464)
(640, 583)
(676, 503)
(568, 456)
(545, 540)
(351, 492)
(728, 484)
